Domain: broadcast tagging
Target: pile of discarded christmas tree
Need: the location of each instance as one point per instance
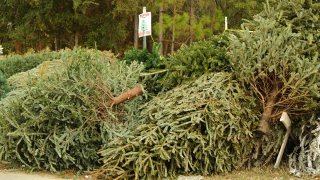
(206, 120)
(216, 106)
(58, 115)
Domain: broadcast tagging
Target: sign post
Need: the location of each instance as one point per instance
(145, 26)
(287, 123)
(1, 50)
(226, 23)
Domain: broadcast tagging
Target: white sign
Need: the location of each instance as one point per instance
(1, 50)
(145, 24)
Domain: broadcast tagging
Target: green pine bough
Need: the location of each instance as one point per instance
(61, 121)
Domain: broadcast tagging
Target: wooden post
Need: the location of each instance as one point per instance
(287, 123)
(1, 50)
(225, 23)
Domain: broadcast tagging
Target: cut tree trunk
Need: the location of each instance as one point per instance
(128, 95)
(267, 110)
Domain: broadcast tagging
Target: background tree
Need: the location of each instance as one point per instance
(113, 24)
(236, 10)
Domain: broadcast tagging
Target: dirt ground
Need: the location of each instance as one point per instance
(8, 172)
(16, 175)
(265, 173)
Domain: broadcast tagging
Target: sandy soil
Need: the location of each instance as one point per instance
(17, 175)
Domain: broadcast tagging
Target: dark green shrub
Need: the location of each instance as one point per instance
(20, 63)
(190, 62)
(3, 86)
(150, 60)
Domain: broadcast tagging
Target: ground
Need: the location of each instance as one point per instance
(16, 175)
(264, 173)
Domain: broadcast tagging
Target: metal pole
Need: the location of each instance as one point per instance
(144, 37)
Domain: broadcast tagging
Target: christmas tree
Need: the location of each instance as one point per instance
(277, 56)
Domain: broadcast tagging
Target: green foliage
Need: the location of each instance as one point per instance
(20, 63)
(190, 62)
(60, 121)
(3, 86)
(150, 60)
(140, 55)
(201, 127)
